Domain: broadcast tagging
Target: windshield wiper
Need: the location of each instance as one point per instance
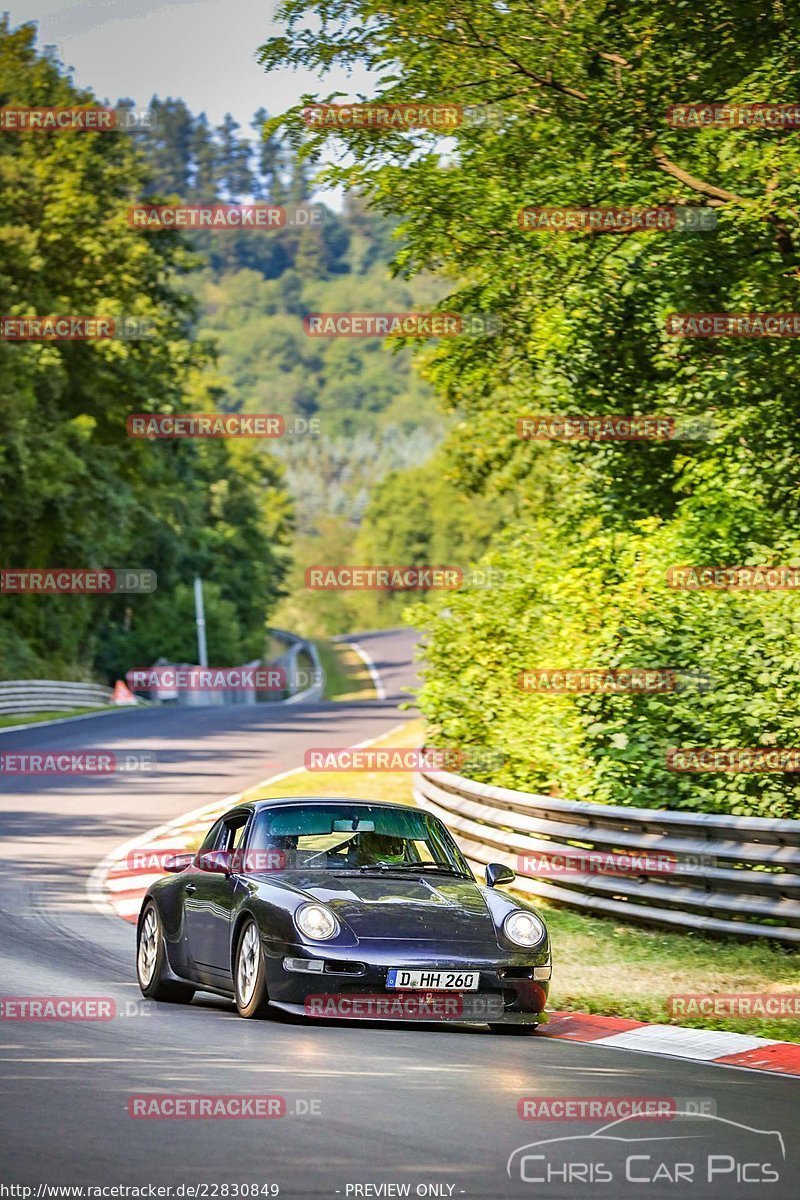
(443, 868)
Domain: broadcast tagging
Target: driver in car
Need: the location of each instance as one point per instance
(369, 848)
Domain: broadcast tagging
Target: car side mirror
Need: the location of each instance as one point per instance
(178, 862)
(498, 873)
(217, 862)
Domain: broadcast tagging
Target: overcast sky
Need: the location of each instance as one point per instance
(201, 50)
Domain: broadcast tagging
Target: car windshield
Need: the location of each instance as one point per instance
(361, 838)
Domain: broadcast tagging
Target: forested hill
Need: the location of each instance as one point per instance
(227, 310)
(255, 286)
(375, 414)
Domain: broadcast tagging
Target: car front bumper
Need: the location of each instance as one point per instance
(512, 989)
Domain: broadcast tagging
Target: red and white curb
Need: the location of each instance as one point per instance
(677, 1041)
(119, 884)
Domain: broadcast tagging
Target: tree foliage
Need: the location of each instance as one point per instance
(576, 101)
(76, 491)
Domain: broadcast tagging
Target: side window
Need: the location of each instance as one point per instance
(212, 840)
(259, 838)
(236, 834)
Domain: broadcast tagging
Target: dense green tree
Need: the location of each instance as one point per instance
(574, 102)
(76, 490)
(234, 161)
(270, 161)
(171, 147)
(206, 173)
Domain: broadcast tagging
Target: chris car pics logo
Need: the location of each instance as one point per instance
(693, 1151)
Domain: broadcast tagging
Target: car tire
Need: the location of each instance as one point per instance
(250, 974)
(514, 1030)
(151, 958)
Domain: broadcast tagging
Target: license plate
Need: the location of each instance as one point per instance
(435, 981)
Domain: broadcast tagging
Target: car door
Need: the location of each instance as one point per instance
(209, 900)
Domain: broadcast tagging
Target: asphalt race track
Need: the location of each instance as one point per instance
(367, 1105)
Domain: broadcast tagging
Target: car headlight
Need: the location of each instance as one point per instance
(523, 928)
(316, 921)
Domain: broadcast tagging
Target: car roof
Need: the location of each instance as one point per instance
(277, 801)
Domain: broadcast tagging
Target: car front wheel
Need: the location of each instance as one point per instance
(250, 975)
(151, 962)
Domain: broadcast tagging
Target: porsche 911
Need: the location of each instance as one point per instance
(346, 908)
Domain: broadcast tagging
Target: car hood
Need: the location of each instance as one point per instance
(389, 906)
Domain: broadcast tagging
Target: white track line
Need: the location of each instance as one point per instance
(380, 690)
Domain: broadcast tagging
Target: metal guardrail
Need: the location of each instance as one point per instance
(297, 687)
(301, 684)
(201, 697)
(50, 695)
(734, 876)
(53, 695)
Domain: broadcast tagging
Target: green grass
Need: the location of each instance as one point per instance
(392, 786)
(346, 676)
(33, 718)
(602, 965)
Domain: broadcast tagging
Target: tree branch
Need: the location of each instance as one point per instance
(691, 181)
(605, 54)
(718, 196)
(541, 80)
